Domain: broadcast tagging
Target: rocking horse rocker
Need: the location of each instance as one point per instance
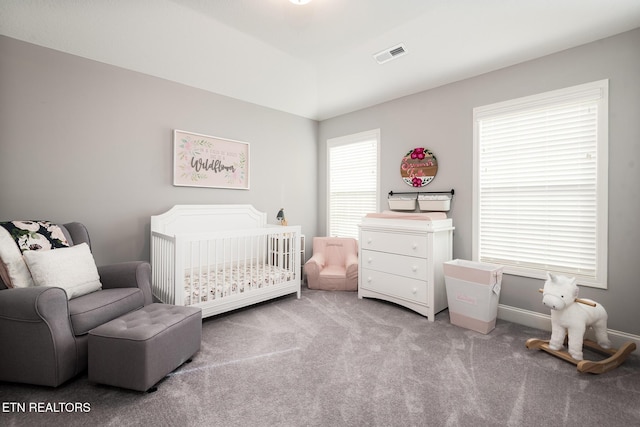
(570, 318)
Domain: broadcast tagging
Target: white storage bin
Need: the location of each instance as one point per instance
(429, 202)
(473, 292)
(402, 203)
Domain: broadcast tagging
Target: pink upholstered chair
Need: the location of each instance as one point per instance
(334, 264)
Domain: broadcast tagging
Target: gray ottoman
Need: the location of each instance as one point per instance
(137, 350)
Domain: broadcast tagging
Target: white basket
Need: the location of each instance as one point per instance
(432, 203)
(402, 204)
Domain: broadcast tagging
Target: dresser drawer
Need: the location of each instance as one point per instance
(402, 265)
(403, 244)
(390, 284)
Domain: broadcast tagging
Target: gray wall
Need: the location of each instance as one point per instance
(84, 141)
(441, 119)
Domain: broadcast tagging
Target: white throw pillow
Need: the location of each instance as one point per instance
(14, 271)
(72, 269)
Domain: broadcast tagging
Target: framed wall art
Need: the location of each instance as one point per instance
(208, 161)
(418, 167)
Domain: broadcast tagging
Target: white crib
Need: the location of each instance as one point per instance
(222, 257)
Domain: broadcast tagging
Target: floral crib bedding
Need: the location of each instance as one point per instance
(211, 284)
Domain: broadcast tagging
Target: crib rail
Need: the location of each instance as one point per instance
(198, 268)
(163, 254)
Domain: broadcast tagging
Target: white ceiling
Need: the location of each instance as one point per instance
(314, 60)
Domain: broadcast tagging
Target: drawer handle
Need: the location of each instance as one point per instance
(369, 260)
(369, 279)
(414, 290)
(369, 240)
(414, 268)
(415, 246)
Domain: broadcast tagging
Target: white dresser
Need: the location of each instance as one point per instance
(401, 261)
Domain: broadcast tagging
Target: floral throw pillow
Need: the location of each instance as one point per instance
(35, 235)
(16, 237)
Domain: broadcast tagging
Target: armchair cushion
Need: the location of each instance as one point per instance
(92, 310)
(72, 269)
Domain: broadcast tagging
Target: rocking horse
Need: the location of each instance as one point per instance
(570, 318)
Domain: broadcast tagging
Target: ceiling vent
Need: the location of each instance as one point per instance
(391, 53)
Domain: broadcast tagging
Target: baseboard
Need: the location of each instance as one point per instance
(543, 321)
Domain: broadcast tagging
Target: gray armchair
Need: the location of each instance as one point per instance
(44, 335)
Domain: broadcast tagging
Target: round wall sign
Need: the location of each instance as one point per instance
(418, 167)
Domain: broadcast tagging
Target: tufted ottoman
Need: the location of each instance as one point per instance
(137, 350)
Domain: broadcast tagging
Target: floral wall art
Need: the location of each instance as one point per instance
(208, 161)
(418, 167)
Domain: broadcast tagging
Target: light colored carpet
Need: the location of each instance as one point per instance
(330, 359)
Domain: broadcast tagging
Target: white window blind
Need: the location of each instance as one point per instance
(541, 184)
(352, 181)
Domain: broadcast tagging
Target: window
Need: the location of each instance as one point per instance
(352, 173)
(540, 184)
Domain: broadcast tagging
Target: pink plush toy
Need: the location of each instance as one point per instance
(560, 294)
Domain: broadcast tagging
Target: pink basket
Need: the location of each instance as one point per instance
(473, 291)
